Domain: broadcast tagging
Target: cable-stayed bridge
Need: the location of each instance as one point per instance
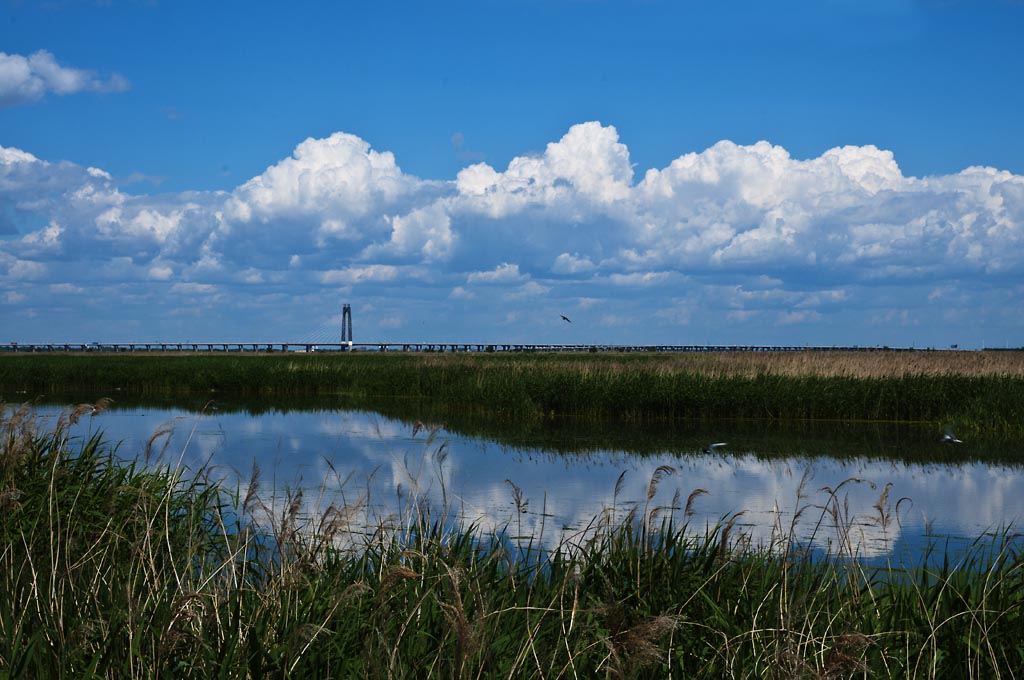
(325, 338)
(336, 347)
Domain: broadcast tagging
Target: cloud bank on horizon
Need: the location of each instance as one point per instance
(732, 244)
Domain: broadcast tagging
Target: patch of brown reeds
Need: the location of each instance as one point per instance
(839, 363)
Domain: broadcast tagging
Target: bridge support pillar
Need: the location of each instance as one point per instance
(346, 325)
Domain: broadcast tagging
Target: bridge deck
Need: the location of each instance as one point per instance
(268, 347)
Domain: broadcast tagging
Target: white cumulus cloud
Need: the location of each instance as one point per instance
(588, 163)
(368, 273)
(28, 79)
(503, 273)
(339, 174)
(572, 264)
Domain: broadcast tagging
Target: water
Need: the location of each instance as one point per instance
(551, 482)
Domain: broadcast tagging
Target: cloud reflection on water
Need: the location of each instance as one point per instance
(565, 493)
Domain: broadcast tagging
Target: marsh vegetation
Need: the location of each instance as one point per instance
(980, 391)
(130, 563)
(115, 568)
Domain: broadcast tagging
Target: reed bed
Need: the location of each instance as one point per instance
(861, 364)
(976, 391)
(114, 569)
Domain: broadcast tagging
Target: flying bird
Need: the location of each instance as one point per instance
(565, 318)
(710, 448)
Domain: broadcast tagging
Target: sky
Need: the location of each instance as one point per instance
(828, 172)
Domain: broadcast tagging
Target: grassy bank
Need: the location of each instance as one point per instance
(975, 390)
(112, 570)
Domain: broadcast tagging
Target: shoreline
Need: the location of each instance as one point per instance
(974, 392)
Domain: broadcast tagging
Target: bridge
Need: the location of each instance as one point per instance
(339, 347)
(313, 344)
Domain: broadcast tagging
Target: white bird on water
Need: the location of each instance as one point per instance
(710, 448)
(949, 438)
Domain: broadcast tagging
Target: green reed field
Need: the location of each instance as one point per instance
(977, 391)
(114, 569)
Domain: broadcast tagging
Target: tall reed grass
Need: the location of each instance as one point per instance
(115, 569)
(977, 390)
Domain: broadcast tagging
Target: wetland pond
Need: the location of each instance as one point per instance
(550, 481)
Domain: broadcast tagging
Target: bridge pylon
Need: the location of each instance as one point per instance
(346, 324)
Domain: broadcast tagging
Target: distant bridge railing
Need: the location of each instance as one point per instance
(306, 347)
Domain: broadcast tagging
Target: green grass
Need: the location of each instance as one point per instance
(880, 387)
(114, 569)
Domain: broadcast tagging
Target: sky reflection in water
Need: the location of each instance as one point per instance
(565, 493)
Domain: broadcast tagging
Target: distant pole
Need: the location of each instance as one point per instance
(346, 324)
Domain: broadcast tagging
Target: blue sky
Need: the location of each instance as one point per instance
(830, 172)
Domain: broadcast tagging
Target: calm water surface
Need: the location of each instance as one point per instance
(351, 454)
